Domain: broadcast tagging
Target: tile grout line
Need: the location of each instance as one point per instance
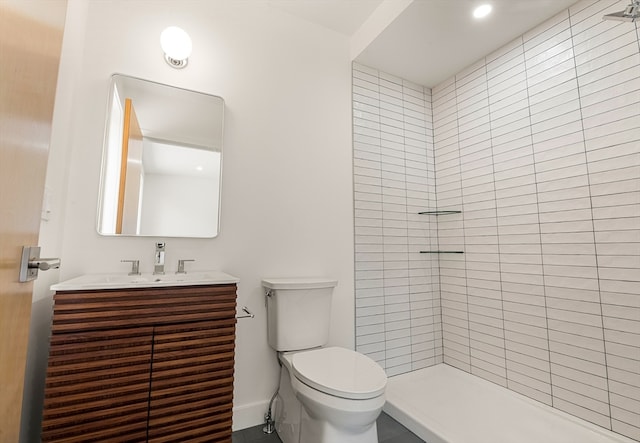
(495, 199)
(595, 245)
(543, 273)
(463, 236)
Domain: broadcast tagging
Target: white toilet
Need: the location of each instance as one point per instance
(328, 395)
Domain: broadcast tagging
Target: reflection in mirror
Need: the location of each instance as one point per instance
(162, 161)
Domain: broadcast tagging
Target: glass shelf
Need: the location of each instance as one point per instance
(439, 212)
(441, 252)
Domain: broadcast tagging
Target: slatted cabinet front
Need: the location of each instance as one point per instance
(150, 364)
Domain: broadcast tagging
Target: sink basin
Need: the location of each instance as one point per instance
(123, 281)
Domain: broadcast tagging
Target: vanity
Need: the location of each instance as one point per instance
(148, 357)
(141, 358)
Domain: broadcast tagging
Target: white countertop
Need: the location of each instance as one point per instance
(124, 281)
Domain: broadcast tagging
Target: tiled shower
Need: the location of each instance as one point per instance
(538, 146)
(398, 321)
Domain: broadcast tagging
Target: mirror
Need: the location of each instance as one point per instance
(161, 161)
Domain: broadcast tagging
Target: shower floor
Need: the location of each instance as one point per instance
(442, 404)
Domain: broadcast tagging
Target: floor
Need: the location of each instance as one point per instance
(389, 431)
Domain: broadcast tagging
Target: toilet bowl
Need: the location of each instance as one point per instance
(326, 394)
(329, 395)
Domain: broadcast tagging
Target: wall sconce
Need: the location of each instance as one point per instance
(176, 45)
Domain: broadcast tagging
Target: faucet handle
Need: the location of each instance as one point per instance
(181, 265)
(135, 266)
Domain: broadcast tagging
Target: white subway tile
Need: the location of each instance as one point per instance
(623, 363)
(543, 397)
(592, 45)
(390, 80)
(592, 87)
(610, 62)
(620, 300)
(583, 12)
(624, 113)
(577, 352)
(631, 378)
(611, 102)
(575, 328)
(572, 294)
(571, 283)
(594, 344)
(507, 52)
(595, 79)
(578, 169)
(626, 429)
(590, 368)
(546, 207)
(619, 389)
(547, 33)
(585, 401)
(540, 376)
(554, 56)
(360, 68)
(571, 270)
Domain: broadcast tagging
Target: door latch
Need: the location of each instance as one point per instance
(31, 263)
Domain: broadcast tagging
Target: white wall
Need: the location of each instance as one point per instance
(286, 187)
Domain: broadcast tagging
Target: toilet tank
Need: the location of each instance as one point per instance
(298, 312)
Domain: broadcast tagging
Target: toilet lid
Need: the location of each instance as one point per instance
(340, 372)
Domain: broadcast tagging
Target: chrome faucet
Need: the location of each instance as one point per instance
(181, 266)
(135, 266)
(158, 264)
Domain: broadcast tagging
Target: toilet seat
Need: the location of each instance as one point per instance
(339, 372)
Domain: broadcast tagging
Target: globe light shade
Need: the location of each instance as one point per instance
(176, 45)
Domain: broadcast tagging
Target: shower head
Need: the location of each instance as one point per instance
(630, 14)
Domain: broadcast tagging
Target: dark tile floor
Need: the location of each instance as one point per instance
(389, 431)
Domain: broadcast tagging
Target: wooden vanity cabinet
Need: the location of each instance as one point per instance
(141, 365)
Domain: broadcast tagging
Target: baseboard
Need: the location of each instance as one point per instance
(249, 415)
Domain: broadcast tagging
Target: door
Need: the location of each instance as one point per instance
(30, 45)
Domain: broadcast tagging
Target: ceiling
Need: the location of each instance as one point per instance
(430, 40)
(344, 16)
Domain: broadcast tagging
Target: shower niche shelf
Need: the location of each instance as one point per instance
(439, 212)
(441, 252)
(447, 212)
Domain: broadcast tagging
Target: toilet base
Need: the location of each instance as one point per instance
(305, 423)
(288, 411)
(316, 431)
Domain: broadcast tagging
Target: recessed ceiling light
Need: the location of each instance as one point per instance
(482, 11)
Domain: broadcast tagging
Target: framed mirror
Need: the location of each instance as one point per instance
(161, 161)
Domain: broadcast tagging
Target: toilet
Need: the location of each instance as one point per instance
(326, 394)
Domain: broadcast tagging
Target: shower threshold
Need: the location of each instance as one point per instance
(442, 404)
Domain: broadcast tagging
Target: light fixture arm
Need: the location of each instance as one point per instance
(174, 63)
